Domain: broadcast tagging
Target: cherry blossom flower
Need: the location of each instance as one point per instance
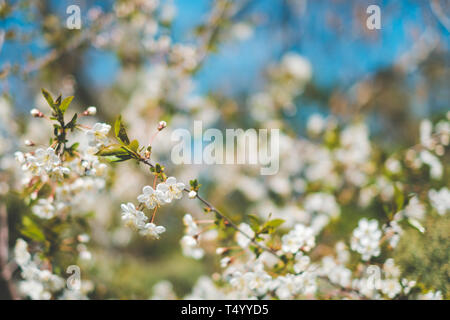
(151, 197)
(172, 189)
(133, 217)
(98, 134)
(152, 230)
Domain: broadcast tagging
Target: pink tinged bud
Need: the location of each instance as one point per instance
(162, 125)
(36, 113)
(91, 111)
(29, 143)
(221, 250)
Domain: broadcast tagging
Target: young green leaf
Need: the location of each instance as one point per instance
(65, 104)
(120, 131)
(72, 123)
(31, 230)
(134, 145)
(48, 97)
(113, 150)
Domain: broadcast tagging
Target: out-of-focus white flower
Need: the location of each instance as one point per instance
(34, 289)
(242, 31)
(258, 281)
(316, 124)
(163, 290)
(301, 262)
(60, 171)
(322, 203)
(431, 295)
(152, 230)
(242, 240)
(44, 209)
(192, 228)
(184, 56)
(415, 209)
(190, 248)
(391, 287)
(37, 284)
(21, 254)
(426, 128)
(296, 66)
(440, 200)
(168, 12)
(436, 169)
(366, 239)
(300, 238)
(393, 165)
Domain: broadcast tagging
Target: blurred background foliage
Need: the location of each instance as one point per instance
(393, 78)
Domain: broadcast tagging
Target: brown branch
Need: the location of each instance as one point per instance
(440, 15)
(75, 43)
(5, 268)
(262, 247)
(225, 218)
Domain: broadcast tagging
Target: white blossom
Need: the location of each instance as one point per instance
(440, 200)
(98, 134)
(152, 230)
(299, 238)
(151, 197)
(133, 217)
(366, 239)
(44, 209)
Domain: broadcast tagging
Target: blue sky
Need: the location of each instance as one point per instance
(340, 56)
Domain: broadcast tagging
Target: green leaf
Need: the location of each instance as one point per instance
(48, 97)
(134, 145)
(399, 197)
(74, 146)
(120, 158)
(31, 230)
(58, 101)
(65, 104)
(72, 123)
(416, 224)
(255, 224)
(113, 150)
(275, 223)
(120, 131)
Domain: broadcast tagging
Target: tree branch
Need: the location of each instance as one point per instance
(5, 269)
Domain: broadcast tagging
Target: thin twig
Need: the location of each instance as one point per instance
(6, 272)
(225, 218)
(262, 247)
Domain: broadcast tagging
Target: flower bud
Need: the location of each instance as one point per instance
(29, 143)
(162, 125)
(91, 111)
(192, 194)
(36, 113)
(221, 250)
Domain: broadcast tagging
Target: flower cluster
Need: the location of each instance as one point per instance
(43, 162)
(151, 198)
(366, 239)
